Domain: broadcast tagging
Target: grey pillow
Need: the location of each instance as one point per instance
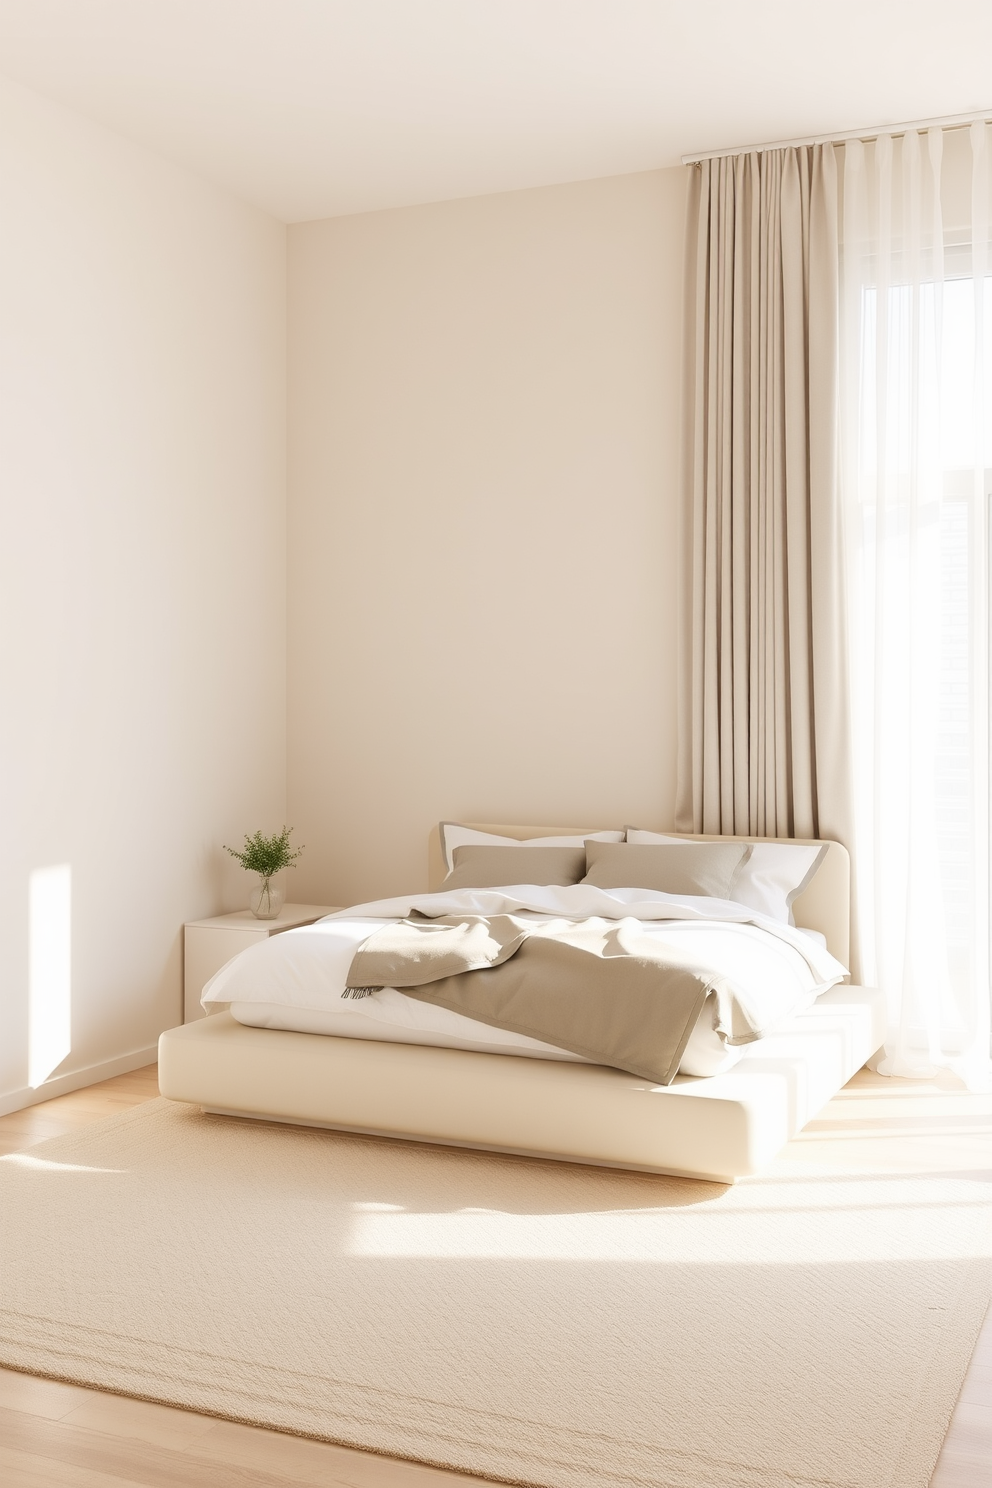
(708, 868)
(492, 867)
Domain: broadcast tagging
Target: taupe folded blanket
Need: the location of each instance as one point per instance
(600, 988)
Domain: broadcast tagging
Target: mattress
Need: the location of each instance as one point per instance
(410, 1022)
(390, 1017)
(719, 1128)
(296, 982)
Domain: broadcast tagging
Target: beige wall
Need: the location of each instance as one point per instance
(484, 401)
(142, 562)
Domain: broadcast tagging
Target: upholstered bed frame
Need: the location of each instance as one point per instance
(721, 1128)
(825, 905)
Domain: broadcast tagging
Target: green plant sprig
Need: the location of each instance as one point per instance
(266, 855)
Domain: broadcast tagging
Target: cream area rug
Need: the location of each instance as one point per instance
(532, 1322)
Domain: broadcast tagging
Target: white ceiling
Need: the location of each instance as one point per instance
(313, 108)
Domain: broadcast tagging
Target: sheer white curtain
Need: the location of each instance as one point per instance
(915, 460)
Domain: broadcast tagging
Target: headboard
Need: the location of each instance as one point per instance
(825, 905)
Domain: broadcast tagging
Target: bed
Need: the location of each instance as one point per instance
(719, 1127)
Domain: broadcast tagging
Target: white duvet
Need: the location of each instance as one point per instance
(296, 980)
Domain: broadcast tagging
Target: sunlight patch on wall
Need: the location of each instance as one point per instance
(50, 970)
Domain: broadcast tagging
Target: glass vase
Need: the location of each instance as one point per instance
(266, 899)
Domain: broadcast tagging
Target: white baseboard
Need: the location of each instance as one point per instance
(17, 1100)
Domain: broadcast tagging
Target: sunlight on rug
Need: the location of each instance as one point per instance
(531, 1322)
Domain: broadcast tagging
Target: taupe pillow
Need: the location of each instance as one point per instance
(493, 867)
(708, 868)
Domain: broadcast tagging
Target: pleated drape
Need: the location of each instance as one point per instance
(763, 746)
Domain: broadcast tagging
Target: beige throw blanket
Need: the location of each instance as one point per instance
(600, 988)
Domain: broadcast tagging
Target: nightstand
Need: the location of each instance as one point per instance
(210, 944)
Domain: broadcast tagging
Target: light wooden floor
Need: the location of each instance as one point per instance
(63, 1436)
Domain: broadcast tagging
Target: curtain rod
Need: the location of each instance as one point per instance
(949, 121)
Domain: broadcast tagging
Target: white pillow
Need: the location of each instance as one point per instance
(770, 880)
(454, 835)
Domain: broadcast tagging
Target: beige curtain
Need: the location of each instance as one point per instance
(763, 745)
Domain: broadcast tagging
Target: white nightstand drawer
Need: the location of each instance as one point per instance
(210, 944)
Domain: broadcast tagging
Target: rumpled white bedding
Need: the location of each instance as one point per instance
(296, 980)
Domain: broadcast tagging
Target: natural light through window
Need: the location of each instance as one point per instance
(932, 326)
(49, 970)
(921, 643)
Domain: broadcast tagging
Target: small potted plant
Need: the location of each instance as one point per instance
(266, 856)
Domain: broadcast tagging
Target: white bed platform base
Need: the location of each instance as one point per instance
(720, 1129)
